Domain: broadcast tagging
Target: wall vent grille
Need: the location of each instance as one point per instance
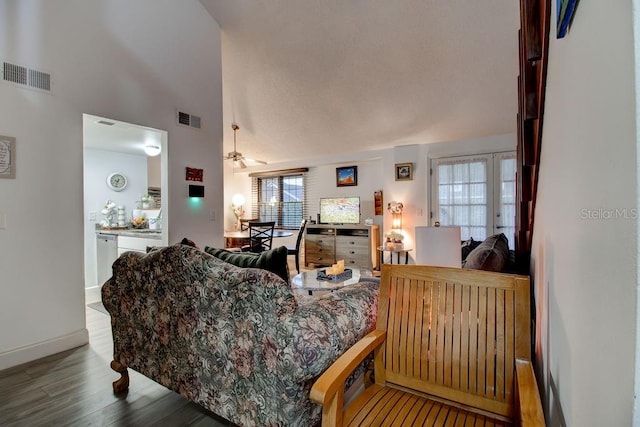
(27, 77)
(40, 80)
(14, 73)
(186, 119)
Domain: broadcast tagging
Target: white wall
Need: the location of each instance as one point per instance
(584, 256)
(376, 171)
(98, 164)
(153, 171)
(322, 183)
(130, 61)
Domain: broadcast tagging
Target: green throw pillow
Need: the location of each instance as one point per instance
(274, 260)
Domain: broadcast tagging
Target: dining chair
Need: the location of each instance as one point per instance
(244, 223)
(296, 250)
(260, 236)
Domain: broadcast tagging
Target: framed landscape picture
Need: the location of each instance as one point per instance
(347, 176)
(404, 171)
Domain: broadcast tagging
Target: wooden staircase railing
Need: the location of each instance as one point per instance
(534, 48)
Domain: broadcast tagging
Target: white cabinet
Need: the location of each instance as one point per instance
(138, 244)
(319, 245)
(106, 254)
(355, 244)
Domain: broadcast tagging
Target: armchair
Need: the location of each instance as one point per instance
(449, 344)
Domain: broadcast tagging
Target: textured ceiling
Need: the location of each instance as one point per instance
(308, 78)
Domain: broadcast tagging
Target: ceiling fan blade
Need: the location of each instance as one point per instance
(241, 164)
(262, 162)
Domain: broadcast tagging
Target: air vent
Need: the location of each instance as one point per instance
(189, 120)
(39, 80)
(26, 77)
(14, 73)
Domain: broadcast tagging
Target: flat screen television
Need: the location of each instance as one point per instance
(340, 210)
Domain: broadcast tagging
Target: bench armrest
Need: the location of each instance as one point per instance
(328, 390)
(529, 402)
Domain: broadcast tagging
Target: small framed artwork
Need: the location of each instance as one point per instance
(347, 176)
(565, 11)
(377, 199)
(404, 171)
(194, 174)
(7, 157)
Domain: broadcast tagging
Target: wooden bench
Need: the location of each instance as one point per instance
(451, 347)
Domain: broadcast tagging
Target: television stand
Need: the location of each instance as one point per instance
(355, 244)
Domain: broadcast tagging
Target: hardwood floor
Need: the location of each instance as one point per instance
(74, 388)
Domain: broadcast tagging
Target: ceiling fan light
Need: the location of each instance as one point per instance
(152, 150)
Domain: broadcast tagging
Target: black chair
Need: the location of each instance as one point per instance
(244, 223)
(260, 236)
(296, 251)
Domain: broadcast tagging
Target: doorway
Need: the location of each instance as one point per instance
(476, 193)
(119, 167)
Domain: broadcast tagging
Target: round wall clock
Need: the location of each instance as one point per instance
(117, 181)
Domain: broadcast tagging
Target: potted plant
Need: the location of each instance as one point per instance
(146, 201)
(394, 240)
(238, 212)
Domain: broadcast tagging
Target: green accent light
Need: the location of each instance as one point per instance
(195, 202)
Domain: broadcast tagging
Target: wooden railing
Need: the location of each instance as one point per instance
(534, 48)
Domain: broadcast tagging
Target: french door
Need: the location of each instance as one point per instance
(476, 193)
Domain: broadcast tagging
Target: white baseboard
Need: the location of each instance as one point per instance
(35, 351)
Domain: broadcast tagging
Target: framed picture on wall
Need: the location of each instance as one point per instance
(7, 157)
(404, 171)
(565, 11)
(347, 176)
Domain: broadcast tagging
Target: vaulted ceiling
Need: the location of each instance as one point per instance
(306, 78)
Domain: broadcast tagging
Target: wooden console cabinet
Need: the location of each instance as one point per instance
(355, 244)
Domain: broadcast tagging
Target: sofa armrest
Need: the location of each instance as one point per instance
(529, 402)
(322, 328)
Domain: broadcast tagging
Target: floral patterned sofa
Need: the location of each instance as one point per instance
(236, 341)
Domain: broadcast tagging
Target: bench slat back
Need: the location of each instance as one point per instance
(454, 333)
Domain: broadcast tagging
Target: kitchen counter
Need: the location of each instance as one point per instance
(144, 233)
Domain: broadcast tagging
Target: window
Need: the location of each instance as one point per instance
(279, 198)
(476, 193)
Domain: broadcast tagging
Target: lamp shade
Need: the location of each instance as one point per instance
(396, 221)
(438, 246)
(237, 199)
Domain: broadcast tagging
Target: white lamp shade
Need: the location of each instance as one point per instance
(237, 199)
(438, 246)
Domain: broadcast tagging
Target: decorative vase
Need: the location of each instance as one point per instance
(121, 217)
(398, 246)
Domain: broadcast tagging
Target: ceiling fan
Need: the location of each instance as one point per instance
(237, 157)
